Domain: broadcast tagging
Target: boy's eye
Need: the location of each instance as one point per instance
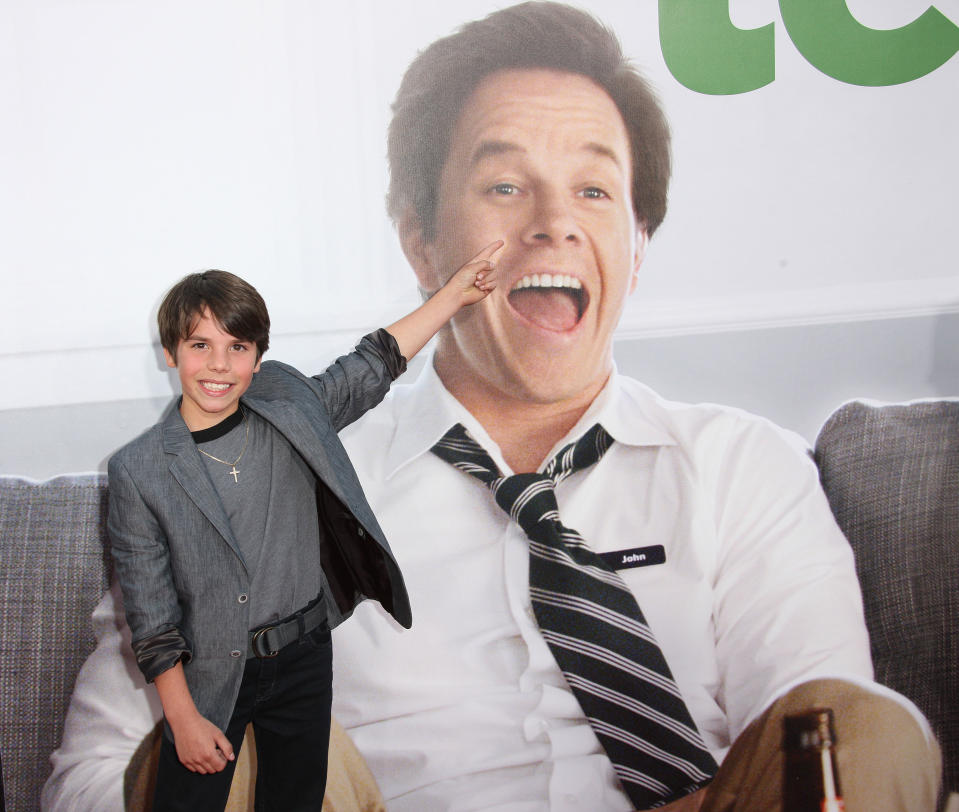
(240, 347)
(198, 345)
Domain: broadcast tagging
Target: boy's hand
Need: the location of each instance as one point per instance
(477, 277)
(468, 285)
(201, 745)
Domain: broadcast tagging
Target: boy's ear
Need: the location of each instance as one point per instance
(419, 252)
(170, 360)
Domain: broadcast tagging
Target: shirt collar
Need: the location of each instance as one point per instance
(425, 411)
(632, 413)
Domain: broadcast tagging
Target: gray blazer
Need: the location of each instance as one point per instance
(178, 563)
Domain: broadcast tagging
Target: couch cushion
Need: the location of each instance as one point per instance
(891, 474)
(53, 570)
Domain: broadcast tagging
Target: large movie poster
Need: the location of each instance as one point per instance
(814, 169)
(813, 183)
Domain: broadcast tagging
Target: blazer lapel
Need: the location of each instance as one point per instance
(304, 436)
(188, 469)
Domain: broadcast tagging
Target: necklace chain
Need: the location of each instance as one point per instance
(234, 471)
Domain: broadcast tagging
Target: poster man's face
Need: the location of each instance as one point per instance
(540, 159)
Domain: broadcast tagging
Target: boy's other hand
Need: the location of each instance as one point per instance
(201, 745)
(477, 277)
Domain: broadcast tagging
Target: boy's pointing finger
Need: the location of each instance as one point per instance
(488, 253)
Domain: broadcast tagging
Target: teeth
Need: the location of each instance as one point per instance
(217, 387)
(546, 280)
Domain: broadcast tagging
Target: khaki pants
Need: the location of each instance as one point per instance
(350, 786)
(887, 763)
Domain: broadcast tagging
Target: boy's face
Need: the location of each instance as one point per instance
(215, 369)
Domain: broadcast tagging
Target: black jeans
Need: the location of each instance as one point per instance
(287, 698)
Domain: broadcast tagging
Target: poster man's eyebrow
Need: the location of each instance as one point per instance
(604, 151)
(492, 148)
(488, 149)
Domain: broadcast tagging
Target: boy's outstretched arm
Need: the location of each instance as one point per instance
(470, 284)
(200, 745)
(354, 383)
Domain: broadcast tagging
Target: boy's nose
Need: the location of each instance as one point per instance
(219, 361)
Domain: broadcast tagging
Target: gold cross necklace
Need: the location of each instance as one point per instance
(234, 471)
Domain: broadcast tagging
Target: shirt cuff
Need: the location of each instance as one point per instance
(384, 344)
(161, 652)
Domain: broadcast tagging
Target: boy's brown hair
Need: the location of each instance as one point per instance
(233, 303)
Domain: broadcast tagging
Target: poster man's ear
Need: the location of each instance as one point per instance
(419, 252)
(642, 243)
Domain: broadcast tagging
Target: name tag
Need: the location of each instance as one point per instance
(636, 557)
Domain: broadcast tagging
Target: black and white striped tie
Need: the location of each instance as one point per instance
(595, 629)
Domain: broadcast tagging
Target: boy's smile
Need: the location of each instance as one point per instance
(215, 369)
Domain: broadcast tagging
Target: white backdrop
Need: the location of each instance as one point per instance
(142, 141)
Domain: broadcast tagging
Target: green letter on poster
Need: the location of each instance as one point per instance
(835, 42)
(708, 54)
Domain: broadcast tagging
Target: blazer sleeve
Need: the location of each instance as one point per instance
(355, 383)
(142, 560)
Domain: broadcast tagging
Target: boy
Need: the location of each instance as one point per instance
(241, 535)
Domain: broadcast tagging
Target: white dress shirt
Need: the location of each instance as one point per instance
(468, 710)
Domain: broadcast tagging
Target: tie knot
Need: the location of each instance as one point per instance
(528, 498)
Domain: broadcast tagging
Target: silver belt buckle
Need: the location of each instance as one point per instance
(255, 643)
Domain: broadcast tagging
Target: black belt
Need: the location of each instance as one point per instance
(266, 641)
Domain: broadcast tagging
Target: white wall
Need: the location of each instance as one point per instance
(143, 141)
(796, 376)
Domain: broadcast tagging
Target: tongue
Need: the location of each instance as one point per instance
(551, 309)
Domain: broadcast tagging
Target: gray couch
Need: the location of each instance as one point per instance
(891, 474)
(54, 569)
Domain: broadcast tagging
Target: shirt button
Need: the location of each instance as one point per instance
(236, 653)
(242, 597)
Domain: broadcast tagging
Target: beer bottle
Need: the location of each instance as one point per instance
(811, 776)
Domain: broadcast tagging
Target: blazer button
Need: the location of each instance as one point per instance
(236, 653)
(242, 597)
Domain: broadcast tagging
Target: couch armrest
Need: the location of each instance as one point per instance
(891, 473)
(53, 570)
